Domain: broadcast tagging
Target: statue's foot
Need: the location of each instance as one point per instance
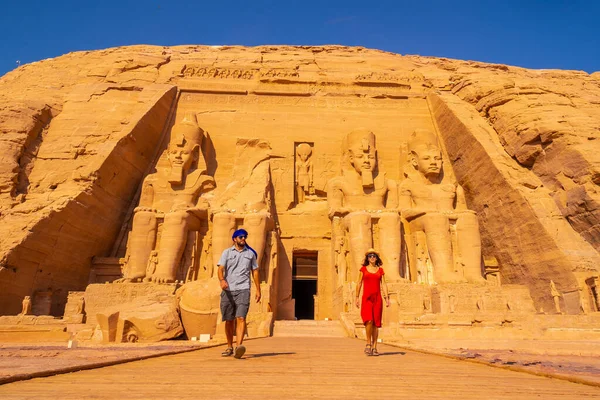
(128, 280)
(162, 279)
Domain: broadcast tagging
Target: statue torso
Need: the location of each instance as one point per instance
(431, 197)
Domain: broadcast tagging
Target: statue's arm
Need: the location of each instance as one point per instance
(147, 195)
(461, 201)
(392, 195)
(335, 197)
(407, 210)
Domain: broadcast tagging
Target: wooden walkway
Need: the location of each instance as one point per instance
(298, 368)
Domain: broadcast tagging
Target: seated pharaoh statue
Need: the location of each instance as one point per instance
(430, 201)
(171, 195)
(246, 201)
(361, 197)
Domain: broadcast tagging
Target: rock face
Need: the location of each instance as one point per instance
(79, 133)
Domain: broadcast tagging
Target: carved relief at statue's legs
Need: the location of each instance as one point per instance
(142, 239)
(300, 195)
(390, 241)
(223, 228)
(469, 246)
(360, 237)
(256, 225)
(439, 244)
(172, 244)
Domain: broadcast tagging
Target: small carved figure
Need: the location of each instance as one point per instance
(556, 296)
(304, 172)
(340, 260)
(152, 263)
(480, 304)
(80, 305)
(452, 303)
(26, 310)
(429, 202)
(427, 303)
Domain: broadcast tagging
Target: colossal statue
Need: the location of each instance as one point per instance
(246, 202)
(361, 196)
(431, 202)
(173, 195)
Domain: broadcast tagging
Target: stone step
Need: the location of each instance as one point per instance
(308, 328)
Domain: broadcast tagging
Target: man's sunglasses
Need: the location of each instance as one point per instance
(242, 237)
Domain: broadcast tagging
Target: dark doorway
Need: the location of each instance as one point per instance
(304, 283)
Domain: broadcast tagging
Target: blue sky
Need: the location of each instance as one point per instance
(527, 33)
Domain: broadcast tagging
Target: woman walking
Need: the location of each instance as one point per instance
(371, 306)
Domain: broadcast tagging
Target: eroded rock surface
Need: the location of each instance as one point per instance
(79, 133)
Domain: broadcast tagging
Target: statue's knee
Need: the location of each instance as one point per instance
(435, 219)
(257, 219)
(390, 220)
(144, 218)
(469, 219)
(176, 218)
(223, 219)
(358, 219)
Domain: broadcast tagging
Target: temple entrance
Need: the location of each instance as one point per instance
(304, 284)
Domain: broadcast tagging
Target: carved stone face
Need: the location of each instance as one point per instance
(363, 161)
(363, 154)
(428, 161)
(181, 157)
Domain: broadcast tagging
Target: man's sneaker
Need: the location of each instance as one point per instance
(228, 352)
(239, 351)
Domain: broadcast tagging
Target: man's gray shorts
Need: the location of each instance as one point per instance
(234, 304)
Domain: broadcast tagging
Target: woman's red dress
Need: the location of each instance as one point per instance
(372, 304)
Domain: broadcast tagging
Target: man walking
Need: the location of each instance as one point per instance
(234, 268)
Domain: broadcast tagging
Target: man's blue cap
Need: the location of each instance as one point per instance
(239, 232)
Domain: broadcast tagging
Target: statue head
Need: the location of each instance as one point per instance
(425, 154)
(360, 153)
(304, 151)
(184, 148)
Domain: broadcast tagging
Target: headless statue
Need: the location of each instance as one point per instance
(246, 199)
(26, 310)
(173, 193)
(360, 194)
(430, 202)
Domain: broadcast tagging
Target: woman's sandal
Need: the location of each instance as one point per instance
(374, 352)
(368, 350)
(228, 352)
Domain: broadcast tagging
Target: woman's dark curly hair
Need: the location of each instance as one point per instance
(379, 263)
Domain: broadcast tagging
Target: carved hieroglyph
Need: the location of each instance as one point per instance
(362, 195)
(431, 201)
(171, 195)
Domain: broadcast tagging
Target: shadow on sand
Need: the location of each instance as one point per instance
(267, 355)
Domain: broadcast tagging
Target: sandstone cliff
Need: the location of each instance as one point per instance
(79, 132)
